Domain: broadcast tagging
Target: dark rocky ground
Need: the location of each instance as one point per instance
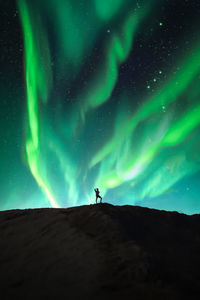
(99, 252)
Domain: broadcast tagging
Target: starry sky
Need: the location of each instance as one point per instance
(100, 93)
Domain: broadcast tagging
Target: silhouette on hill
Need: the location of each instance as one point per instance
(97, 192)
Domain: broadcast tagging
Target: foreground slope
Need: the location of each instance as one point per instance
(99, 252)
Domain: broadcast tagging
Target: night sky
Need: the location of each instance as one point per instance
(100, 93)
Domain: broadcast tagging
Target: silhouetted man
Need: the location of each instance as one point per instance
(97, 195)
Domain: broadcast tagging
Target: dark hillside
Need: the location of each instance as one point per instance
(99, 252)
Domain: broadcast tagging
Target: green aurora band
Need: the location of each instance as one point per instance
(36, 87)
(147, 151)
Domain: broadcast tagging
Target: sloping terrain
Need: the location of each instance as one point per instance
(99, 252)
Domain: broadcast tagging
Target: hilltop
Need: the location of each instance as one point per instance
(99, 252)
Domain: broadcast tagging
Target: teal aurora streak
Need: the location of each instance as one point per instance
(77, 142)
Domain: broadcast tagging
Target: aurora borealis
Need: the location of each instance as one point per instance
(111, 94)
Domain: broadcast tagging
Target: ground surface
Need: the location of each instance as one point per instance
(99, 252)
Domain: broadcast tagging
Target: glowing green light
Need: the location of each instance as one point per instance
(117, 52)
(65, 150)
(165, 96)
(106, 9)
(36, 85)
